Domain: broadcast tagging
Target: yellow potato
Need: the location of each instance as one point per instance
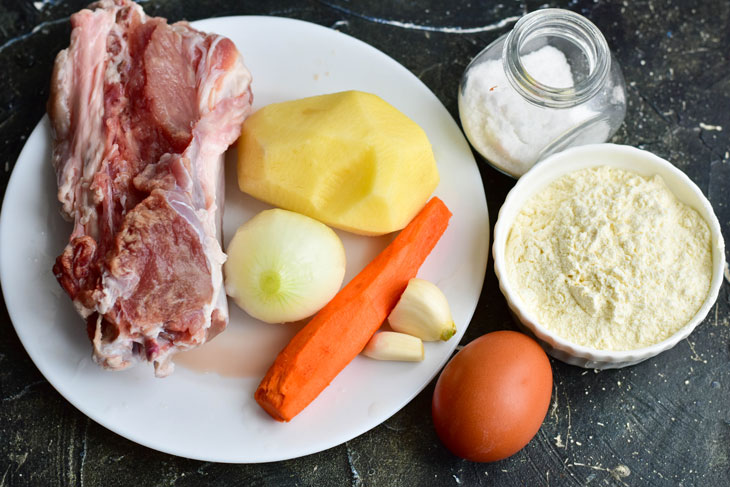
(348, 159)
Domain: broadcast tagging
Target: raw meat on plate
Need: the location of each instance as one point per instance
(141, 113)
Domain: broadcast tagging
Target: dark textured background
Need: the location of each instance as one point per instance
(663, 422)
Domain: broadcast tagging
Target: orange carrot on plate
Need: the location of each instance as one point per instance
(340, 330)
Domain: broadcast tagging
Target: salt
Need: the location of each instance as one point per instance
(507, 129)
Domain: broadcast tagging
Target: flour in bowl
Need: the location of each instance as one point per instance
(610, 260)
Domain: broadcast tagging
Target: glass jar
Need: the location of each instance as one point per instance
(549, 84)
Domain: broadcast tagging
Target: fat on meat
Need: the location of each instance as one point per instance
(141, 114)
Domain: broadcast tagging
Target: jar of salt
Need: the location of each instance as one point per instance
(549, 84)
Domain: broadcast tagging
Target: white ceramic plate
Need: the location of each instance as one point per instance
(204, 415)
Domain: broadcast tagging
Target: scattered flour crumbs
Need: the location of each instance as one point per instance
(609, 259)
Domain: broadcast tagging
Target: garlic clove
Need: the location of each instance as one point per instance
(423, 311)
(390, 345)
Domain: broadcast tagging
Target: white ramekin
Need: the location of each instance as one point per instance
(624, 157)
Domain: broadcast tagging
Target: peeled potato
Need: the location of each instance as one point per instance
(348, 159)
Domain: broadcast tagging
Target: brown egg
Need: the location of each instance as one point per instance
(492, 397)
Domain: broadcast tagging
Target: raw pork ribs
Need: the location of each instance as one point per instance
(141, 113)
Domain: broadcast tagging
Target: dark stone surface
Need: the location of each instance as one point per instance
(662, 422)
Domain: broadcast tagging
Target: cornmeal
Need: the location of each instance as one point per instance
(609, 259)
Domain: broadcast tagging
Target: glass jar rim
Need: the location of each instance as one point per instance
(559, 23)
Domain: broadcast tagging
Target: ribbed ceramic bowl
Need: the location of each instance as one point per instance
(623, 157)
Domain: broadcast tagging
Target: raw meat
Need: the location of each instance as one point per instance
(142, 112)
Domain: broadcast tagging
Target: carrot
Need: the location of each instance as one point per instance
(340, 330)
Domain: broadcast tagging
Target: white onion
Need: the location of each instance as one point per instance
(283, 266)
